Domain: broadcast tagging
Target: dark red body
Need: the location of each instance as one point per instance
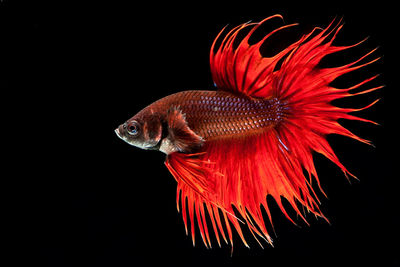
(219, 114)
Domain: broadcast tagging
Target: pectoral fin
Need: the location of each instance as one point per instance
(180, 137)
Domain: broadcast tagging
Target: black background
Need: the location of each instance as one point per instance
(84, 198)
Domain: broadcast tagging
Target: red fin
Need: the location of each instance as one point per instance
(240, 172)
(182, 138)
(192, 175)
(260, 167)
(244, 70)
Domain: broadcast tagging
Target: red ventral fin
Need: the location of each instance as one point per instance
(192, 174)
(198, 187)
(180, 137)
(243, 69)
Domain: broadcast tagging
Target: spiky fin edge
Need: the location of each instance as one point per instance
(229, 75)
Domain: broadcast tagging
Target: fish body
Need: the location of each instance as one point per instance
(255, 135)
(211, 115)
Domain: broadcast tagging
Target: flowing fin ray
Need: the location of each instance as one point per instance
(238, 173)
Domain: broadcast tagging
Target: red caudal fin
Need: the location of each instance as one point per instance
(230, 178)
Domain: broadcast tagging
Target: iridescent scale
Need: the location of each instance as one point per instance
(218, 114)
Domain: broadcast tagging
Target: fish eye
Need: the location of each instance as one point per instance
(133, 128)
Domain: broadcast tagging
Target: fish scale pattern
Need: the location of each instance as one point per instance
(221, 114)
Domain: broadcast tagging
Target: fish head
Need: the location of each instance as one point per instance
(144, 130)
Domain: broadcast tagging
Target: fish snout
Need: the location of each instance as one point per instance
(119, 132)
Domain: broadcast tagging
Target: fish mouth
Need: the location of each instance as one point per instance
(117, 132)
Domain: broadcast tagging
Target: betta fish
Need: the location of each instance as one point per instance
(254, 136)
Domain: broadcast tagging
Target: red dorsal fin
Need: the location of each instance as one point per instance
(243, 69)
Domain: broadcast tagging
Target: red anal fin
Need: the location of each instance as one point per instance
(258, 167)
